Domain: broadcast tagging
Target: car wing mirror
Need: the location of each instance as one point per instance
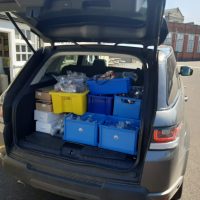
(186, 71)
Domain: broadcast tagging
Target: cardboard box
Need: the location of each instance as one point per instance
(44, 106)
(48, 128)
(46, 117)
(43, 94)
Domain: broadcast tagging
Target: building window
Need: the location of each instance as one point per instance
(179, 42)
(23, 52)
(28, 34)
(23, 48)
(190, 46)
(18, 57)
(198, 48)
(29, 49)
(29, 55)
(168, 40)
(17, 35)
(24, 58)
(18, 48)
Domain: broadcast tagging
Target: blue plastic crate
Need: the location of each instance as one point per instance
(112, 86)
(100, 104)
(119, 139)
(127, 107)
(82, 131)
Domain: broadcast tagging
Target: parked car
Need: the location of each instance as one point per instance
(82, 172)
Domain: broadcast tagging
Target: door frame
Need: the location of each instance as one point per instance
(12, 52)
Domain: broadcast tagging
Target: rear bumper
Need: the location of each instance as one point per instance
(74, 189)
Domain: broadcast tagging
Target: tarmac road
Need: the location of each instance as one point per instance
(11, 190)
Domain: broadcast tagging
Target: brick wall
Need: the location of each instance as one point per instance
(186, 29)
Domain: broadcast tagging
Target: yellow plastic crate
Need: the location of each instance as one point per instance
(69, 102)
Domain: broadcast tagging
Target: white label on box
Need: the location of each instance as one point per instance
(46, 116)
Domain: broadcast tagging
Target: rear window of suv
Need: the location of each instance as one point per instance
(84, 62)
(58, 63)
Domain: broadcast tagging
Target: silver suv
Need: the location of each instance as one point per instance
(115, 29)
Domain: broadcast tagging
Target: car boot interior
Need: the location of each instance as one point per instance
(25, 126)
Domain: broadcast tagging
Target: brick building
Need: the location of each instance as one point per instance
(183, 37)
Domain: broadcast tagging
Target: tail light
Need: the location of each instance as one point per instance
(165, 138)
(166, 135)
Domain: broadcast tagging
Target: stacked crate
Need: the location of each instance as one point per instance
(101, 125)
(46, 120)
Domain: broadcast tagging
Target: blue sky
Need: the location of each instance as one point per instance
(189, 8)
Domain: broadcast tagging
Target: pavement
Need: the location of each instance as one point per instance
(191, 189)
(11, 189)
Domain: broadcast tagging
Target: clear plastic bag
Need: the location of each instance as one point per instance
(87, 118)
(106, 76)
(130, 75)
(73, 82)
(121, 124)
(136, 93)
(58, 129)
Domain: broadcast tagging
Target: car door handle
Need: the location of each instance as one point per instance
(186, 98)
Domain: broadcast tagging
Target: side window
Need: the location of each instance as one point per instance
(173, 81)
(88, 60)
(61, 61)
(70, 60)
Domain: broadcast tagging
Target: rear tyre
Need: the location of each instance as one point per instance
(178, 194)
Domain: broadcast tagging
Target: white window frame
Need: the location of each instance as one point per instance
(21, 53)
(179, 42)
(198, 47)
(33, 40)
(25, 32)
(190, 44)
(168, 40)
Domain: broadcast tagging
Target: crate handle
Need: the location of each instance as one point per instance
(128, 101)
(116, 137)
(67, 98)
(80, 130)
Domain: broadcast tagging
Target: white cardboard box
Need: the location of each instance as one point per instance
(46, 117)
(46, 127)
